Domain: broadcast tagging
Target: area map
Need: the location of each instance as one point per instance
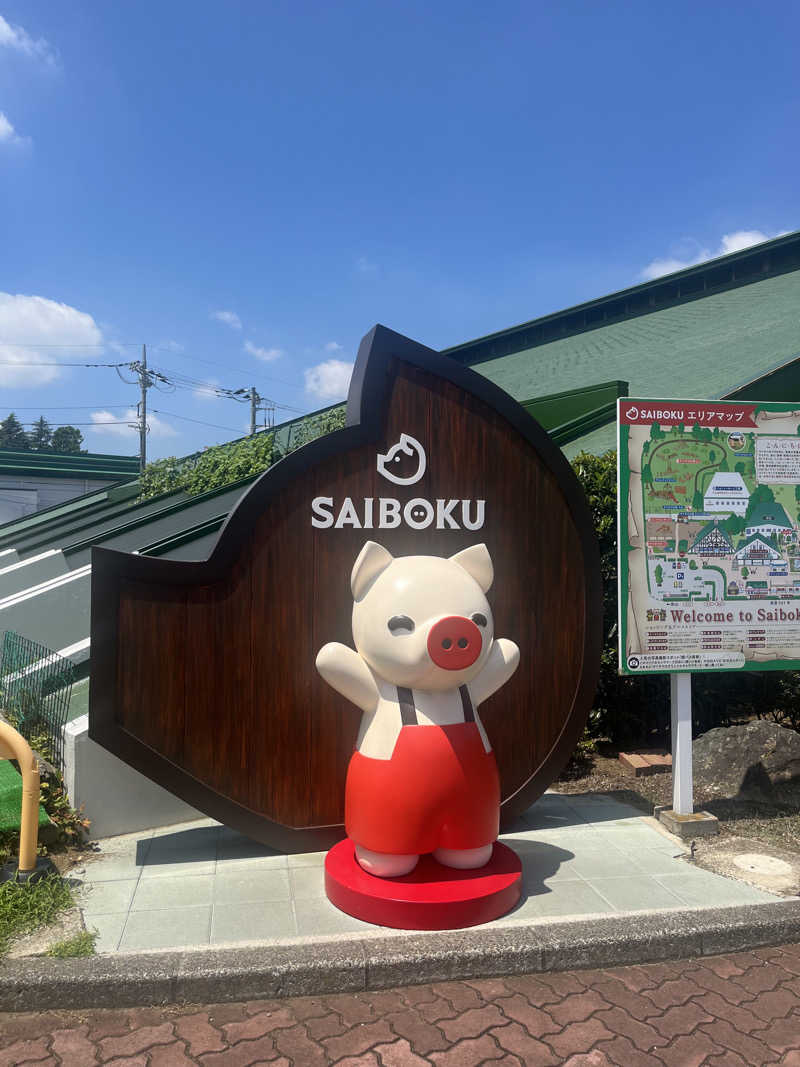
(709, 535)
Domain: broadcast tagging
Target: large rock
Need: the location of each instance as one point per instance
(758, 759)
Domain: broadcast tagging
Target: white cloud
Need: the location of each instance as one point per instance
(8, 135)
(28, 324)
(365, 266)
(333, 346)
(230, 318)
(329, 380)
(208, 391)
(170, 346)
(125, 425)
(18, 39)
(267, 354)
(731, 242)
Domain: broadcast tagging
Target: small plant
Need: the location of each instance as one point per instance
(24, 906)
(81, 944)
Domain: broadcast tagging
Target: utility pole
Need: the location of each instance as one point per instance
(143, 383)
(254, 397)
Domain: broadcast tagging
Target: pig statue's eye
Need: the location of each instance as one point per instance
(479, 619)
(400, 625)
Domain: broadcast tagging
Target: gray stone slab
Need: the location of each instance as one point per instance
(253, 922)
(104, 897)
(172, 928)
(636, 892)
(701, 889)
(308, 883)
(317, 917)
(108, 927)
(179, 891)
(251, 885)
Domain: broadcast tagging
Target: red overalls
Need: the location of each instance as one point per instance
(439, 789)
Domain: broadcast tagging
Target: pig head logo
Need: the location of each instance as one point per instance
(423, 778)
(405, 462)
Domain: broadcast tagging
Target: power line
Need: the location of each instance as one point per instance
(69, 407)
(37, 363)
(227, 366)
(199, 422)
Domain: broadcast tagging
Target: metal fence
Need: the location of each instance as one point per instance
(35, 690)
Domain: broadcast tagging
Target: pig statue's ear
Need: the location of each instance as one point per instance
(372, 560)
(477, 562)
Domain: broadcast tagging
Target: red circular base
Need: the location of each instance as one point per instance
(432, 897)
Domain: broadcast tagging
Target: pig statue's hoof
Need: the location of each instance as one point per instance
(465, 859)
(383, 864)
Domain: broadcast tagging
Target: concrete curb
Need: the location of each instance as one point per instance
(353, 964)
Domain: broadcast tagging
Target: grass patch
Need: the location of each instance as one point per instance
(81, 944)
(25, 907)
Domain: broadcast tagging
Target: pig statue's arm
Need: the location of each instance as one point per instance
(344, 670)
(501, 664)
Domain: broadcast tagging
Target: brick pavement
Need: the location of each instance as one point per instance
(739, 1010)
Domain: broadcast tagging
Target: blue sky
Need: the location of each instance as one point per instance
(309, 169)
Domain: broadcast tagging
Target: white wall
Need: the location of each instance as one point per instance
(116, 798)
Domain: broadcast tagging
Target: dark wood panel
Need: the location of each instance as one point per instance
(216, 686)
(150, 666)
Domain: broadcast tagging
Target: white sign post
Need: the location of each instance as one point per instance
(680, 692)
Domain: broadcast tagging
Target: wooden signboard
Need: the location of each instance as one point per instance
(203, 674)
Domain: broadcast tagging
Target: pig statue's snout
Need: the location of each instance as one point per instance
(454, 643)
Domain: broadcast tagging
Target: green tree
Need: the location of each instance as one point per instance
(41, 436)
(739, 468)
(12, 435)
(659, 574)
(697, 501)
(647, 474)
(734, 524)
(683, 545)
(712, 455)
(67, 439)
(745, 572)
(692, 564)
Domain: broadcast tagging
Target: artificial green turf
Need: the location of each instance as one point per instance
(11, 799)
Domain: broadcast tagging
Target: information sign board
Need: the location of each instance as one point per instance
(709, 536)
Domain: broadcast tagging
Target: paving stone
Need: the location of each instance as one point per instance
(73, 1047)
(472, 1023)
(673, 992)
(299, 1048)
(645, 1037)
(738, 1015)
(680, 1020)
(469, 1053)
(615, 992)
(198, 1033)
(423, 1036)
(462, 995)
(622, 1052)
(728, 990)
(399, 1054)
(776, 1004)
(689, 1050)
(369, 1059)
(138, 1041)
(358, 1039)
(24, 1052)
(329, 1025)
(171, 1056)
(783, 1035)
(257, 1025)
(577, 1007)
(589, 1059)
(515, 1038)
(579, 1037)
(759, 979)
(353, 1010)
(751, 1050)
(243, 1054)
(535, 1020)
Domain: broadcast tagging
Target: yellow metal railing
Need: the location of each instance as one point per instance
(14, 746)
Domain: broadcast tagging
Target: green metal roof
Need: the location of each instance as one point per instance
(703, 348)
(769, 512)
(68, 465)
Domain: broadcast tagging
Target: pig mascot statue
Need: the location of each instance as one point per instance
(423, 778)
